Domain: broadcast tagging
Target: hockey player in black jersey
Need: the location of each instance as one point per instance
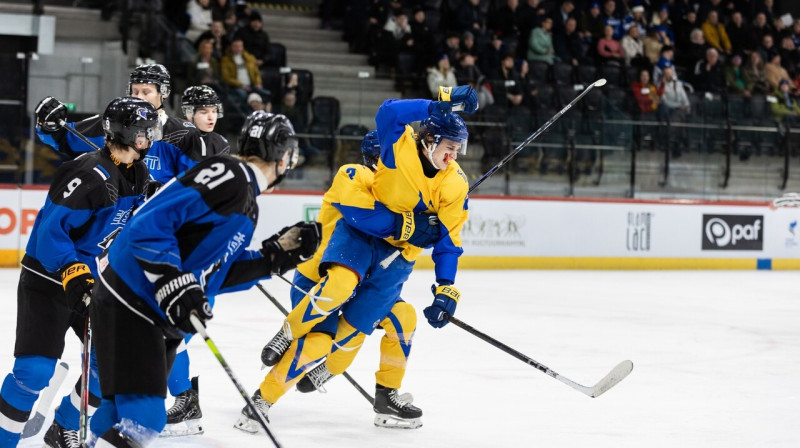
(181, 147)
(89, 201)
(187, 241)
(201, 106)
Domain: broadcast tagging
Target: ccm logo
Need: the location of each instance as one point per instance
(733, 232)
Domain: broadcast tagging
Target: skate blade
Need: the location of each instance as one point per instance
(248, 425)
(393, 422)
(184, 428)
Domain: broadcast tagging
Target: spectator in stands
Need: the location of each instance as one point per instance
(710, 5)
(767, 48)
(708, 73)
(609, 49)
(503, 20)
(529, 15)
(511, 81)
(396, 38)
(648, 96)
(255, 39)
(530, 89)
(738, 34)
(490, 54)
(664, 61)
(661, 17)
(255, 102)
(738, 81)
(241, 75)
(452, 46)
(568, 46)
(540, 46)
(715, 34)
(696, 51)
(611, 18)
(754, 70)
(220, 9)
(775, 73)
(790, 58)
(470, 17)
(561, 15)
(652, 46)
(466, 68)
(309, 153)
(468, 45)
(592, 23)
(424, 42)
(441, 75)
(683, 32)
(633, 48)
(674, 96)
(767, 8)
(760, 28)
(231, 27)
(795, 33)
(635, 19)
(205, 68)
(199, 13)
(785, 109)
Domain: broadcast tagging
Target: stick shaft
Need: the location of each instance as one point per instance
(201, 330)
(84, 408)
(78, 134)
(283, 310)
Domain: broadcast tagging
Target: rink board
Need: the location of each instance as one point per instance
(544, 233)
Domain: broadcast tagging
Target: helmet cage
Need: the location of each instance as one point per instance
(196, 97)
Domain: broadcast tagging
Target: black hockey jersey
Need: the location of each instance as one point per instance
(215, 144)
(89, 201)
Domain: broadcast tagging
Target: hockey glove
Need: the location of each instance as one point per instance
(50, 113)
(151, 187)
(444, 305)
(291, 246)
(439, 110)
(419, 229)
(462, 98)
(77, 280)
(178, 294)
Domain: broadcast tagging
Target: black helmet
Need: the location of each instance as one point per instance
(269, 136)
(132, 122)
(200, 96)
(155, 74)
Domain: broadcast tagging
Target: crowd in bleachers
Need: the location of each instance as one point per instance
(664, 60)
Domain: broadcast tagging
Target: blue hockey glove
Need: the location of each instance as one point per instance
(444, 304)
(419, 229)
(462, 98)
(178, 294)
(439, 110)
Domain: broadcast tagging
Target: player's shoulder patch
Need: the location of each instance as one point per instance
(189, 124)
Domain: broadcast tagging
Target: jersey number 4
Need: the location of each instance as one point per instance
(212, 177)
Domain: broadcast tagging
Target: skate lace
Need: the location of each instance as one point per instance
(180, 402)
(261, 405)
(319, 376)
(396, 400)
(280, 343)
(71, 438)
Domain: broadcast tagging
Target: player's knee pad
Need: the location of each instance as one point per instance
(144, 410)
(401, 322)
(33, 373)
(334, 289)
(346, 344)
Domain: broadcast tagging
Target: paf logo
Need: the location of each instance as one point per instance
(733, 232)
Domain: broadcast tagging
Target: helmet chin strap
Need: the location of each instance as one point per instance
(429, 149)
(278, 177)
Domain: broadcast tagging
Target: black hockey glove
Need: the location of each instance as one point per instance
(419, 229)
(151, 188)
(50, 113)
(178, 294)
(77, 280)
(291, 246)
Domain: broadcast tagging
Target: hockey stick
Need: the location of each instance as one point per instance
(201, 330)
(616, 375)
(277, 304)
(87, 342)
(599, 83)
(34, 425)
(78, 134)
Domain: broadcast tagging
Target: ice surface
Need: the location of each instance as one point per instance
(716, 354)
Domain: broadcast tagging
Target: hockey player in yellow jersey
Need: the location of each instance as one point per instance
(417, 177)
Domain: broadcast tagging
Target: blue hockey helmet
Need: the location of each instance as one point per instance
(371, 149)
(450, 127)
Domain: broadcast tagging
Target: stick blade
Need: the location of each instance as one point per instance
(616, 375)
(33, 426)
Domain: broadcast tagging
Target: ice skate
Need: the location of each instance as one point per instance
(248, 421)
(183, 418)
(391, 411)
(315, 379)
(275, 348)
(59, 437)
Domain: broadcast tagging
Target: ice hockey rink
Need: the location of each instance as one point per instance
(716, 355)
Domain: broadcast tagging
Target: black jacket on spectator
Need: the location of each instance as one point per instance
(504, 22)
(739, 37)
(468, 15)
(569, 47)
(709, 80)
(683, 30)
(527, 19)
(424, 44)
(255, 42)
